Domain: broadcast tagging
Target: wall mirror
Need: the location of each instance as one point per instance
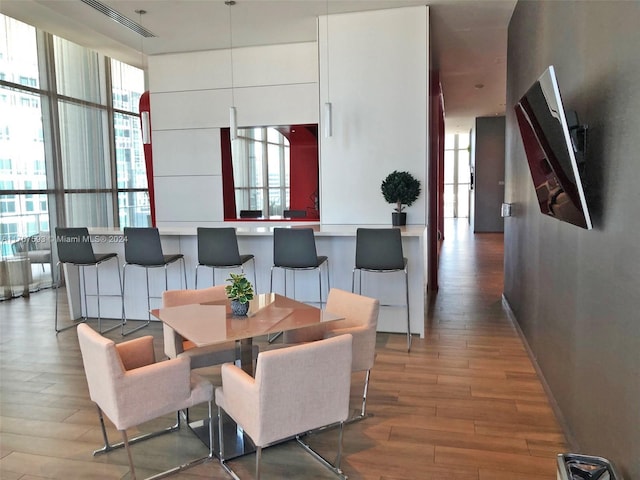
(271, 172)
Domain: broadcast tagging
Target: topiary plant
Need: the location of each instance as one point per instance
(400, 188)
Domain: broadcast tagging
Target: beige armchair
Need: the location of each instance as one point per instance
(295, 390)
(175, 346)
(130, 388)
(361, 321)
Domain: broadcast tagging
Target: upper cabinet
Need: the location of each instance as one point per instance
(374, 72)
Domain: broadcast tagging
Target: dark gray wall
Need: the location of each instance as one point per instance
(576, 293)
(489, 174)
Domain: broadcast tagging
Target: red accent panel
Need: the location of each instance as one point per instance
(303, 141)
(145, 106)
(228, 193)
(435, 180)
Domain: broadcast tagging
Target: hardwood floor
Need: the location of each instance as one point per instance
(464, 404)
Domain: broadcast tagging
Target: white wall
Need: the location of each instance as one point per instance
(190, 99)
(378, 81)
(374, 71)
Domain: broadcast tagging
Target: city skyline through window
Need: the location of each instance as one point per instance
(70, 142)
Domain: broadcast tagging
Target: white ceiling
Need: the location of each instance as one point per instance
(469, 37)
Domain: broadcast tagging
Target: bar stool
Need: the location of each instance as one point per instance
(218, 248)
(379, 250)
(74, 248)
(142, 248)
(295, 249)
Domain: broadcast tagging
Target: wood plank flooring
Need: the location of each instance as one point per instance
(465, 404)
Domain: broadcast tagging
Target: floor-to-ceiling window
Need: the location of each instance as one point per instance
(70, 148)
(457, 175)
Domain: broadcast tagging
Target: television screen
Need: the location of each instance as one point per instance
(551, 151)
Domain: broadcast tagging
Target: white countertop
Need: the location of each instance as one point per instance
(267, 230)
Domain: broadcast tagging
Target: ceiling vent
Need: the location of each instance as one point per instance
(118, 17)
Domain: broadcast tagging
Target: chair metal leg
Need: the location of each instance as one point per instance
(210, 409)
(128, 449)
(328, 285)
(271, 339)
(271, 280)
(255, 275)
(124, 279)
(363, 412)
(127, 445)
(145, 436)
(340, 444)
(213, 275)
(406, 281)
(258, 459)
(220, 436)
(73, 325)
(107, 446)
(98, 298)
(364, 394)
(335, 468)
(223, 462)
(184, 271)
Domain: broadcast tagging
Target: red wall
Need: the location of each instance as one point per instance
(145, 106)
(303, 140)
(436, 180)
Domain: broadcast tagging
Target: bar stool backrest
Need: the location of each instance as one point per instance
(294, 248)
(142, 246)
(294, 214)
(74, 246)
(250, 213)
(218, 247)
(379, 249)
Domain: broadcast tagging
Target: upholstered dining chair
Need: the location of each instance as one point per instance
(130, 388)
(176, 346)
(360, 321)
(295, 390)
(218, 248)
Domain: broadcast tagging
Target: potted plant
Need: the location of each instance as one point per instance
(400, 188)
(240, 291)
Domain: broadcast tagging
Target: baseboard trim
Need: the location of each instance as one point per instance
(571, 440)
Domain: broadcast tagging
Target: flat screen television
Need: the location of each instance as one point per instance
(554, 145)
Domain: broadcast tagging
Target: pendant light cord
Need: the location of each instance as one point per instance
(231, 3)
(327, 34)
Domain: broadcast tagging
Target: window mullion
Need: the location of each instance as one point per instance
(112, 142)
(265, 173)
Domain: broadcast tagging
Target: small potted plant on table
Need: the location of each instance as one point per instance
(240, 291)
(400, 188)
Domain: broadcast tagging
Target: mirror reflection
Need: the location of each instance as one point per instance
(271, 172)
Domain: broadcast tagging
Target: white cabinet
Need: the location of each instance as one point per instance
(374, 71)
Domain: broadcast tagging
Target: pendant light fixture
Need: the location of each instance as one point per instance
(233, 114)
(328, 114)
(144, 115)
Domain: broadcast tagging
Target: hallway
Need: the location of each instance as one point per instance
(465, 404)
(515, 434)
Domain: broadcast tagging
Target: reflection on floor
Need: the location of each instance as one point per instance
(464, 404)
